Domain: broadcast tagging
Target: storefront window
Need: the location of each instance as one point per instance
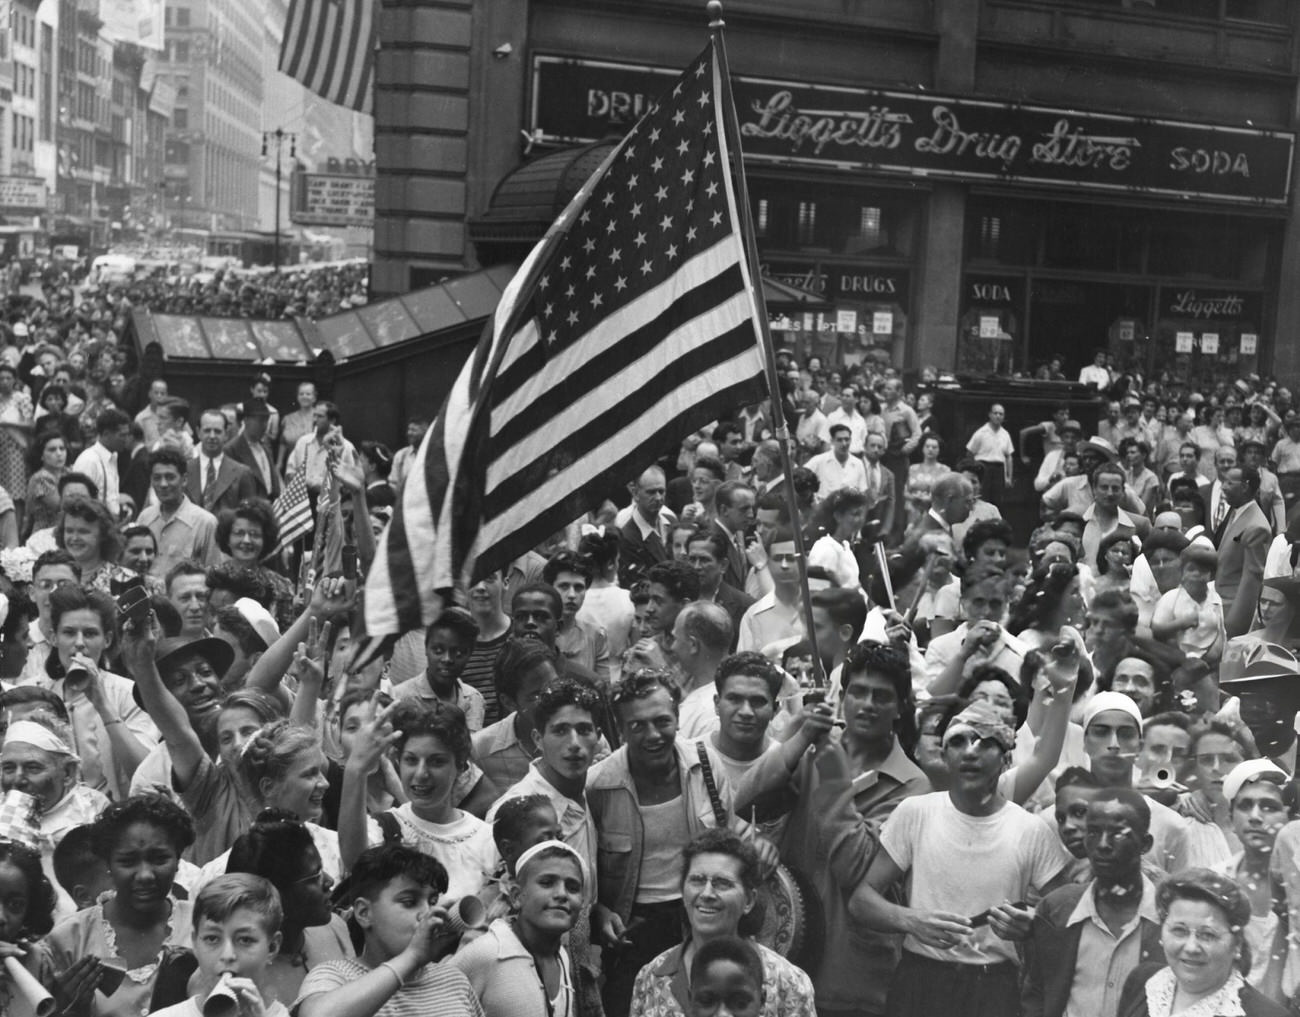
(831, 220)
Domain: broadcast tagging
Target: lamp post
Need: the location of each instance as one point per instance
(279, 137)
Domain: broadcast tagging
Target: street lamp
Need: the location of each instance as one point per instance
(279, 137)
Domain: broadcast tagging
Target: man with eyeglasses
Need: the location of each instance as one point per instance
(50, 571)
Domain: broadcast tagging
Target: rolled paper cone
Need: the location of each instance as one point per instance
(28, 989)
(221, 1001)
(467, 913)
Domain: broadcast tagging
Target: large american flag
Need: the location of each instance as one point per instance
(630, 324)
(329, 46)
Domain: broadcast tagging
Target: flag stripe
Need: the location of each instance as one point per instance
(554, 387)
(623, 398)
(328, 46)
(630, 324)
(677, 408)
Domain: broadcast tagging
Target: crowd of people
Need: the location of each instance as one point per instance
(837, 742)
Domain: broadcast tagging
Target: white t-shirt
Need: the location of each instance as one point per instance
(464, 847)
(967, 864)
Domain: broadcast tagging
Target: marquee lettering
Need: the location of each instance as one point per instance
(949, 139)
(779, 118)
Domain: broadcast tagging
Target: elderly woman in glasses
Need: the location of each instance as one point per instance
(719, 889)
(1203, 918)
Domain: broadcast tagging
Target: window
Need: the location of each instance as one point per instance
(182, 17)
(181, 119)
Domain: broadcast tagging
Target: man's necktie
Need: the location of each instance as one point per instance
(1220, 512)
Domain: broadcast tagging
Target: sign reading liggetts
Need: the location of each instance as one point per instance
(333, 199)
(918, 134)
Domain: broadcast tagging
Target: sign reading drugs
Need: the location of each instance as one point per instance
(333, 199)
(916, 134)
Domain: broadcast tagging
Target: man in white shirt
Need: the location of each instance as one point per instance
(980, 639)
(1095, 374)
(847, 413)
(779, 614)
(147, 418)
(183, 530)
(812, 423)
(838, 467)
(99, 461)
(312, 450)
(991, 445)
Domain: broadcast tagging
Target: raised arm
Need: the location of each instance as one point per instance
(374, 738)
(138, 642)
(331, 597)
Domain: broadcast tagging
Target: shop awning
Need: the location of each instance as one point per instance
(531, 197)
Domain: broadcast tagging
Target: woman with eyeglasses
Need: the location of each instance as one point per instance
(720, 879)
(1203, 922)
(139, 926)
(280, 849)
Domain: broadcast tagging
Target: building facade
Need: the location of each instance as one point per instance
(213, 60)
(980, 185)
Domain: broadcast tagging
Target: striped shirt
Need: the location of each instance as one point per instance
(436, 990)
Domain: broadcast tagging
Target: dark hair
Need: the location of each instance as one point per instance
(806, 482)
(892, 663)
(1134, 800)
(412, 718)
(239, 580)
(980, 573)
(722, 841)
(1107, 542)
(734, 949)
(39, 918)
(972, 466)
(678, 578)
(82, 598)
(639, 685)
(750, 664)
(157, 810)
(167, 456)
(379, 455)
(1119, 603)
(726, 494)
(1170, 718)
(568, 561)
(718, 545)
(36, 454)
(725, 430)
(26, 695)
(1220, 892)
(110, 420)
(1076, 776)
(129, 534)
(232, 620)
(984, 531)
(251, 510)
(379, 866)
(515, 659)
(565, 692)
(600, 548)
(845, 607)
(457, 621)
(712, 465)
(53, 557)
(993, 673)
(91, 512)
(1250, 477)
(1223, 730)
(511, 816)
(844, 499)
(185, 567)
(74, 857)
(273, 848)
(357, 696)
(1041, 598)
(546, 590)
(1165, 540)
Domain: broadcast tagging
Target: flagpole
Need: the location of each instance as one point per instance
(782, 428)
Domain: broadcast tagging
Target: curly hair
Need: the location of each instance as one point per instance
(156, 810)
(562, 692)
(91, 512)
(273, 848)
(166, 456)
(513, 815)
(751, 664)
(678, 578)
(252, 510)
(39, 918)
(240, 581)
(413, 717)
(600, 548)
(992, 673)
(642, 683)
(723, 841)
(514, 660)
(270, 753)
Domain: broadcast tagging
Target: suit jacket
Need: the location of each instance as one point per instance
(737, 565)
(735, 603)
(1052, 952)
(234, 484)
(1133, 1000)
(880, 497)
(241, 451)
(636, 555)
(1240, 575)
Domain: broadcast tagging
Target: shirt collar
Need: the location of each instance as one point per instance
(642, 523)
(1086, 909)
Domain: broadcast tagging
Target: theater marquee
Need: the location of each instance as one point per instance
(924, 135)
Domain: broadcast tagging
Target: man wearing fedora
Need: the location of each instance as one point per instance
(248, 448)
